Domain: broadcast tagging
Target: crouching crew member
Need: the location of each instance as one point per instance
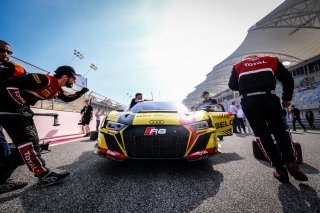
(255, 79)
(18, 94)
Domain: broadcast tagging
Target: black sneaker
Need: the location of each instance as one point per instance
(281, 175)
(10, 185)
(52, 178)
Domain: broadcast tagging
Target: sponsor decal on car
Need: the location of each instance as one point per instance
(154, 131)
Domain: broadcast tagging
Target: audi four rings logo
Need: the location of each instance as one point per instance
(156, 122)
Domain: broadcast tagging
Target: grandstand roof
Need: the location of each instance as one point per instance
(291, 32)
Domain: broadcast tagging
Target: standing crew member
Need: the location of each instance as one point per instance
(18, 94)
(255, 79)
(137, 99)
(9, 69)
(207, 99)
(233, 109)
(296, 117)
(214, 104)
(87, 113)
(98, 113)
(240, 116)
(310, 118)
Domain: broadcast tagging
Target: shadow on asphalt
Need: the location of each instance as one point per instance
(224, 158)
(306, 168)
(265, 163)
(302, 199)
(315, 133)
(9, 198)
(99, 185)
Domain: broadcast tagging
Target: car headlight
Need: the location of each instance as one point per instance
(115, 126)
(200, 125)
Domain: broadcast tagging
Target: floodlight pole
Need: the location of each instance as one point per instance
(77, 54)
(92, 67)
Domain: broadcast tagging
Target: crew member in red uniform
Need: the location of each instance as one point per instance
(8, 69)
(18, 94)
(255, 79)
(9, 155)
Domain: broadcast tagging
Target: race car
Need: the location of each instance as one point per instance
(161, 130)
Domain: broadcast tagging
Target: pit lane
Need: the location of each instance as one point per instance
(233, 181)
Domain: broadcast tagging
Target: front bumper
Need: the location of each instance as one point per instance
(179, 142)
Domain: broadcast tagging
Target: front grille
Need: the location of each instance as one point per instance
(172, 144)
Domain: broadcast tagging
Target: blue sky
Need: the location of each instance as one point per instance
(162, 48)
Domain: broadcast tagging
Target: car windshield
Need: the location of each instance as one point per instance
(158, 106)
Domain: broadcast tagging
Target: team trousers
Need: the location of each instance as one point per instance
(264, 113)
(22, 131)
(299, 121)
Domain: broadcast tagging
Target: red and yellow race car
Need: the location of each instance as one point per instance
(161, 130)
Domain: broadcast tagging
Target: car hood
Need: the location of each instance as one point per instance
(156, 117)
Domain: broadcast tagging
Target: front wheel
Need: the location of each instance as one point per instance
(94, 135)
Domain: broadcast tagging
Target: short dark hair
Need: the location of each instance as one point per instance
(5, 43)
(64, 70)
(205, 93)
(137, 94)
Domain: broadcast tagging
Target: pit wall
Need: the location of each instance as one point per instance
(68, 124)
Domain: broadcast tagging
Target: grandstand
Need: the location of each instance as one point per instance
(97, 100)
(292, 33)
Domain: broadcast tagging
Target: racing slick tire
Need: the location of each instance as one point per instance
(93, 135)
(257, 153)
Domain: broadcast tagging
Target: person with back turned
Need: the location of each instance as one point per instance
(255, 79)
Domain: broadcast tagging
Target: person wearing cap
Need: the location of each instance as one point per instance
(255, 79)
(17, 118)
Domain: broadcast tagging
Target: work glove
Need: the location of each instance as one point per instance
(26, 111)
(82, 91)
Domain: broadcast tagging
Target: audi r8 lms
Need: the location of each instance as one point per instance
(161, 130)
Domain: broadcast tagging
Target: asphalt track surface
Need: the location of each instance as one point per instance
(233, 181)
